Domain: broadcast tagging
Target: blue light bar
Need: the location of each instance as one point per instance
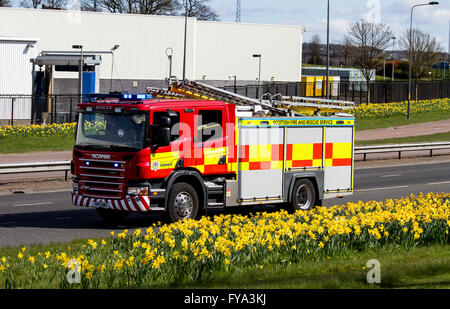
(92, 98)
(136, 96)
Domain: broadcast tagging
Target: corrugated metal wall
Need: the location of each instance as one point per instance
(15, 77)
(217, 50)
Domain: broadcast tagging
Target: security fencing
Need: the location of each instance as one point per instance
(26, 109)
(380, 92)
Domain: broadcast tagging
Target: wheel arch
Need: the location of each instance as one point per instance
(316, 177)
(190, 177)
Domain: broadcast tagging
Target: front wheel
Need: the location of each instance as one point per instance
(183, 202)
(303, 195)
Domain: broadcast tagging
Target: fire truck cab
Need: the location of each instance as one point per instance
(141, 153)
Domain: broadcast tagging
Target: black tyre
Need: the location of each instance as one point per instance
(110, 215)
(183, 202)
(303, 195)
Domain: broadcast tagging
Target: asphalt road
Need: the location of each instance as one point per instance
(49, 217)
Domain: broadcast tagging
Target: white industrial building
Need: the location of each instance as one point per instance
(16, 78)
(216, 51)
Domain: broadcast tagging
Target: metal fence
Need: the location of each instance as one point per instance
(23, 109)
(380, 92)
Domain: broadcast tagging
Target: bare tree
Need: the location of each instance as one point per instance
(91, 5)
(368, 41)
(426, 51)
(315, 50)
(199, 9)
(157, 7)
(30, 3)
(4, 3)
(345, 50)
(151, 7)
(54, 4)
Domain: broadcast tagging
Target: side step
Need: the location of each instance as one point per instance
(215, 195)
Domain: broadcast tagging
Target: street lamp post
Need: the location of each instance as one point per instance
(328, 50)
(115, 47)
(259, 74)
(235, 83)
(80, 70)
(169, 53)
(410, 53)
(185, 34)
(393, 56)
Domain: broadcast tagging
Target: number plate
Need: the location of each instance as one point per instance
(100, 204)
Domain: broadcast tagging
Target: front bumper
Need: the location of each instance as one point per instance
(129, 203)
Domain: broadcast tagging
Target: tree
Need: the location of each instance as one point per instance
(4, 3)
(90, 5)
(199, 9)
(345, 50)
(315, 50)
(54, 4)
(30, 3)
(368, 40)
(151, 7)
(426, 51)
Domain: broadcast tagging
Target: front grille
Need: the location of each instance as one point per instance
(102, 178)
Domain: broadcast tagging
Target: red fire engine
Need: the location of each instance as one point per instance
(197, 147)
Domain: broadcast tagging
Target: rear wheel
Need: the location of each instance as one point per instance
(303, 195)
(183, 202)
(112, 215)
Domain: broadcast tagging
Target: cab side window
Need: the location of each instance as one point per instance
(174, 128)
(209, 125)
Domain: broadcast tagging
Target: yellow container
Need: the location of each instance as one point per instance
(315, 86)
(308, 86)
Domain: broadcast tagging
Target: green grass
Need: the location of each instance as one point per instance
(426, 267)
(406, 140)
(23, 144)
(395, 121)
(421, 267)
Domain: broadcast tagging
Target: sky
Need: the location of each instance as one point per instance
(313, 14)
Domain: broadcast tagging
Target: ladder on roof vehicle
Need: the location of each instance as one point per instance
(284, 105)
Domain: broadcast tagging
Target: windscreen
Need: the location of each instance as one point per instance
(111, 130)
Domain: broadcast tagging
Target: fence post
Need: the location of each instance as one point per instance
(70, 111)
(55, 110)
(12, 111)
(353, 92)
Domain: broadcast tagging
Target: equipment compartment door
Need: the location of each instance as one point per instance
(261, 163)
(338, 160)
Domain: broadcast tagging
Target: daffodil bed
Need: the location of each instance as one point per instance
(194, 251)
(386, 110)
(363, 111)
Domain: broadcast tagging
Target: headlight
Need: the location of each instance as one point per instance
(138, 190)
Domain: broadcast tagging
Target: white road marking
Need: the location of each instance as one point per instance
(377, 189)
(386, 176)
(34, 204)
(439, 183)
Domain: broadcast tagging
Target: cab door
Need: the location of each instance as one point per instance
(210, 148)
(164, 159)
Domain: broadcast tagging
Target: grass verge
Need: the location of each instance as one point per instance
(395, 121)
(406, 140)
(425, 267)
(23, 144)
